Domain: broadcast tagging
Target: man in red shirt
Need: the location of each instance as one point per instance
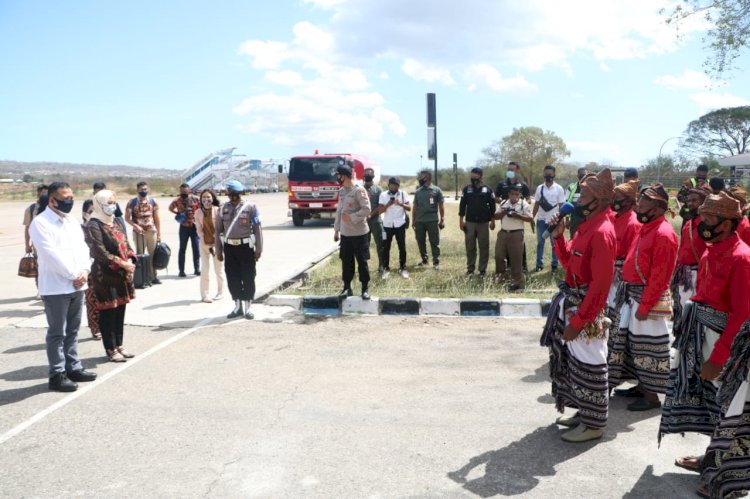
(627, 228)
(713, 317)
(743, 230)
(640, 348)
(577, 325)
(690, 252)
(184, 208)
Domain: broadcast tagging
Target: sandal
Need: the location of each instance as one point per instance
(125, 353)
(96, 335)
(115, 356)
(690, 463)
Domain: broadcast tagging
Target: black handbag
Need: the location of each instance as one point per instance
(546, 206)
(161, 255)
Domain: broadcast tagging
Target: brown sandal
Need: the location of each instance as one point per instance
(690, 463)
(115, 356)
(125, 353)
(96, 335)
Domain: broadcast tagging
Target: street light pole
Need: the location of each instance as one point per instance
(658, 159)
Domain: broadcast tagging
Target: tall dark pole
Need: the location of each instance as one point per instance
(432, 132)
(455, 171)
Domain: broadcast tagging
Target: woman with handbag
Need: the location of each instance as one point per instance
(204, 222)
(92, 313)
(111, 273)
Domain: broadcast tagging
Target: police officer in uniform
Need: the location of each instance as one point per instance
(239, 238)
(428, 203)
(478, 206)
(351, 228)
(374, 222)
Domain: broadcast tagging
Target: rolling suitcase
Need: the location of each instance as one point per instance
(142, 277)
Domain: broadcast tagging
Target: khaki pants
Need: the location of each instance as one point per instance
(477, 234)
(207, 257)
(146, 240)
(510, 244)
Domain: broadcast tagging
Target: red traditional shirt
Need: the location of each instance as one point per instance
(627, 227)
(743, 230)
(691, 244)
(656, 246)
(723, 278)
(188, 207)
(589, 259)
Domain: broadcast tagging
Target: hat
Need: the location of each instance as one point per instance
(394, 180)
(656, 192)
(600, 184)
(629, 189)
(235, 185)
(721, 205)
(740, 194)
(700, 191)
(344, 170)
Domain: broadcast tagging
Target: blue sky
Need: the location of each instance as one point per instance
(162, 84)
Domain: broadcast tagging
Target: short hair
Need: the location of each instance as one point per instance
(717, 184)
(98, 186)
(702, 168)
(513, 163)
(514, 188)
(582, 169)
(184, 186)
(141, 184)
(214, 199)
(550, 167)
(56, 186)
(631, 173)
(426, 172)
(477, 170)
(41, 187)
(86, 205)
(369, 168)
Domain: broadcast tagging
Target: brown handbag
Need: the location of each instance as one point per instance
(28, 266)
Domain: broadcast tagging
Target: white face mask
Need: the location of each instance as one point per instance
(109, 209)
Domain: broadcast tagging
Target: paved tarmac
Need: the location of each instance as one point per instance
(294, 406)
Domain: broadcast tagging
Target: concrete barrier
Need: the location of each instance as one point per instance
(481, 308)
(321, 305)
(438, 306)
(293, 301)
(399, 306)
(355, 305)
(520, 307)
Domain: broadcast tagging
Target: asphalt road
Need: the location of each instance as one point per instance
(289, 406)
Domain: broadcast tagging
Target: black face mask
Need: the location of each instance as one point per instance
(422, 181)
(64, 205)
(619, 206)
(340, 180)
(233, 195)
(143, 194)
(368, 178)
(687, 214)
(476, 182)
(708, 232)
(183, 195)
(549, 178)
(644, 217)
(585, 210)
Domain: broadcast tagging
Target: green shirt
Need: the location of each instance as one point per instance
(427, 200)
(374, 192)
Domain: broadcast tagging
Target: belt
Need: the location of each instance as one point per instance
(237, 242)
(514, 230)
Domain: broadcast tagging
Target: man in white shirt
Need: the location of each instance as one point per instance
(64, 266)
(393, 204)
(513, 214)
(548, 198)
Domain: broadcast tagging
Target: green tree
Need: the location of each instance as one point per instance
(729, 32)
(531, 147)
(724, 132)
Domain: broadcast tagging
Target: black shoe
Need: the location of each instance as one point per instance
(554, 269)
(81, 376)
(422, 263)
(469, 273)
(632, 392)
(345, 293)
(156, 281)
(60, 383)
(365, 294)
(644, 404)
(182, 274)
(538, 269)
(249, 315)
(197, 272)
(514, 287)
(237, 312)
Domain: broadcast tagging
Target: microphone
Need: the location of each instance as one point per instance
(565, 209)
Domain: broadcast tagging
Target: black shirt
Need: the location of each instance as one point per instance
(477, 205)
(502, 190)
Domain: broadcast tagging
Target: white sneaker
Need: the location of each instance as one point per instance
(206, 299)
(219, 297)
(404, 273)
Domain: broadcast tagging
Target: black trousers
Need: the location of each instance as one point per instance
(189, 233)
(354, 248)
(239, 266)
(112, 326)
(400, 233)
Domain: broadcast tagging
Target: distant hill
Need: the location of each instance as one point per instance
(46, 169)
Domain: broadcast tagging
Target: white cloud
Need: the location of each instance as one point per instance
(421, 72)
(604, 67)
(285, 78)
(710, 100)
(689, 79)
(582, 150)
(484, 76)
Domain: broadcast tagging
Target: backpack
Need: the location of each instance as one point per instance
(160, 258)
(134, 202)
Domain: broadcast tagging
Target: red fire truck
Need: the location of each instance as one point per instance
(313, 189)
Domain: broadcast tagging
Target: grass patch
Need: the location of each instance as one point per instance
(449, 282)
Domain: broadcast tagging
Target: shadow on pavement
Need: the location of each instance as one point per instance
(649, 485)
(179, 303)
(27, 348)
(541, 375)
(9, 301)
(24, 314)
(18, 394)
(320, 225)
(516, 469)
(26, 373)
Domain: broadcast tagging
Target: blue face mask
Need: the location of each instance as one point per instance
(510, 174)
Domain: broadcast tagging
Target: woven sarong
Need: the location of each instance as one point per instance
(690, 404)
(638, 349)
(575, 383)
(683, 288)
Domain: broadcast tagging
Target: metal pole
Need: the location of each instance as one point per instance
(455, 171)
(658, 159)
(436, 156)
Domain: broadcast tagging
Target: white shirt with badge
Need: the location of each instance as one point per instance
(554, 195)
(394, 216)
